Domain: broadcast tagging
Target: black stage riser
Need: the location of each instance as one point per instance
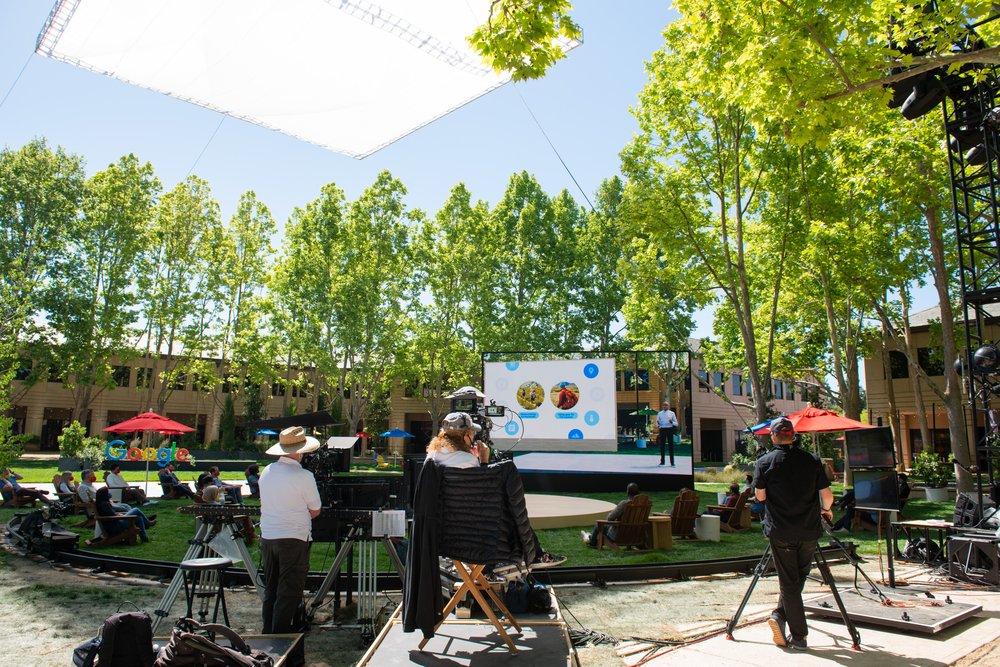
(551, 482)
(974, 559)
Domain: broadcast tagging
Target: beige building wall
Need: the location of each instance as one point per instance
(877, 381)
(45, 408)
(719, 423)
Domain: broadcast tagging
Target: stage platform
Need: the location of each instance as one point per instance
(546, 511)
(544, 640)
(602, 471)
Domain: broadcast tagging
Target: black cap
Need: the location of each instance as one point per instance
(782, 425)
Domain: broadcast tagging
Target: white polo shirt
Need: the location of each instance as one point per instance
(287, 493)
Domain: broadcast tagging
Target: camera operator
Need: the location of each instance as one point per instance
(289, 501)
(457, 445)
(795, 491)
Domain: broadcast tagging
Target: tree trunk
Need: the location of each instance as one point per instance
(953, 384)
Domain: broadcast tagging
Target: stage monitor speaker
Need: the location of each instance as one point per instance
(968, 513)
(974, 559)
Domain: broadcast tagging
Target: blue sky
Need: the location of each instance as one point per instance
(582, 105)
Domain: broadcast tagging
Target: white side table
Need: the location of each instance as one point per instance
(706, 527)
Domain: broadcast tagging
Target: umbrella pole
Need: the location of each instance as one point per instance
(145, 489)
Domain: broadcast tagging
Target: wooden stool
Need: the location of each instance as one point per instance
(208, 574)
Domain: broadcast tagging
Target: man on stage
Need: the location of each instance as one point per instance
(289, 501)
(666, 420)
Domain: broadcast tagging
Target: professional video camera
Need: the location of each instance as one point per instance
(472, 402)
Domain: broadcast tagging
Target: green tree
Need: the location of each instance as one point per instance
(40, 191)
(523, 36)
(91, 300)
(180, 285)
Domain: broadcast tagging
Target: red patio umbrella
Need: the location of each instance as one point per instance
(149, 421)
(817, 420)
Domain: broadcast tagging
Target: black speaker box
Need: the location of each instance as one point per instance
(968, 513)
(974, 559)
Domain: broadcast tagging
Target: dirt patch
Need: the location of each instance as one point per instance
(49, 609)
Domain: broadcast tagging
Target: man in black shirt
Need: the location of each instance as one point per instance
(795, 491)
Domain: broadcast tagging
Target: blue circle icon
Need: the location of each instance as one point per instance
(576, 434)
(512, 365)
(591, 418)
(511, 428)
(591, 370)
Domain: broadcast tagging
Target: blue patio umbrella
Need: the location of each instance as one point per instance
(396, 433)
(757, 427)
(266, 431)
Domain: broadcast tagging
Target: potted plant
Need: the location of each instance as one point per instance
(935, 473)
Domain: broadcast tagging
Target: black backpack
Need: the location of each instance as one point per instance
(125, 640)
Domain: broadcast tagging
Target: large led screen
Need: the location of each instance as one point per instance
(565, 404)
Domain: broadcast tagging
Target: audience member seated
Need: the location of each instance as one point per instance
(212, 495)
(88, 492)
(21, 492)
(104, 508)
(66, 483)
(172, 486)
(120, 488)
(756, 506)
(204, 479)
(234, 492)
(456, 447)
(252, 473)
(611, 532)
(732, 497)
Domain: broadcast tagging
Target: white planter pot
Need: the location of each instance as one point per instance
(936, 495)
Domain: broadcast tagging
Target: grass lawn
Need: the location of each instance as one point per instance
(169, 539)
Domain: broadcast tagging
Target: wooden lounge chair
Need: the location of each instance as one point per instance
(736, 518)
(129, 535)
(684, 513)
(89, 511)
(71, 499)
(633, 530)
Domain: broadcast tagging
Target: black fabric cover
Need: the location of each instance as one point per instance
(475, 515)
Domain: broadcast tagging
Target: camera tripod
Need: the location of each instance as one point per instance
(820, 560)
(367, 575)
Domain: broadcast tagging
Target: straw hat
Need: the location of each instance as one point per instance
(293, 440)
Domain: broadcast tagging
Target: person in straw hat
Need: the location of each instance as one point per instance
(289, 501)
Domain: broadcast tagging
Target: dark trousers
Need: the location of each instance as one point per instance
(666, 439)
(792, 560)
(285, 563)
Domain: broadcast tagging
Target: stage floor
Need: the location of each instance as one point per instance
(543, 640)
(547, 511)
(601, 463)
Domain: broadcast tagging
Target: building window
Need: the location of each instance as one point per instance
(120, 375)
(719, 380)
(705, 382)
(636, 381)
(737, 384)
(55, 375)
(277, 389)
(778, 387)
(790, 391)
(898, 366)
(144, 378)
(180, 381)
(930, 360)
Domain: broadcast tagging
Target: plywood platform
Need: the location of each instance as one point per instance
(544, 640)
(911, 613)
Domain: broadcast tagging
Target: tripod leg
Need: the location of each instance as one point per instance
(331, 575)
(824, 569)
(758, 571)
(167, 601)
(390, 549)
